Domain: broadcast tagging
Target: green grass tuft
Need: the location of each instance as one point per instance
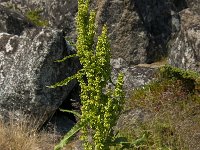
(35, 17)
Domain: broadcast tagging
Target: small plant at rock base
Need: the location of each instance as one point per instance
(101, 107)
(35, 17)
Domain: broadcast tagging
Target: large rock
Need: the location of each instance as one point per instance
(128, 36)
(27, 66)
(139, 29)
(132, 118)
(185, 46)
(134, 76)
(59, 13)
(126, 30)
(161, 20)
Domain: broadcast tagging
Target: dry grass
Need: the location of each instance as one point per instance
(21, 135)
(157, 64)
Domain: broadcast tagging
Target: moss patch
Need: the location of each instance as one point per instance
(35, 17)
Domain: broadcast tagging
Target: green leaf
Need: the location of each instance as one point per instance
(71, 111)
(69, 42)
(123, 141)
(65, 58)
(68, 136)
(64, 82)
(140, 140)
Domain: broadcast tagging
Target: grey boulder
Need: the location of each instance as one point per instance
(185, 46)
(27, 67)
(138, 29)
(134, 76)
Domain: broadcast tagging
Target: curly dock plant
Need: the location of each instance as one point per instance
(101, 107)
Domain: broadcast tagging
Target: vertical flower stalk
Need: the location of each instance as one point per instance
(100, 107)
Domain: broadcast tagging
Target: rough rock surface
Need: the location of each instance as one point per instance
(160, 20)
(135, 76)
(194, 5)
(27, 66)
(185, 47)
(139, 29)
(127, 33)
(59, 14)
(12, 22)
(132, 118)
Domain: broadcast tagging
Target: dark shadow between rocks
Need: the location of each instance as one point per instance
(62, 122)
(180, 5)
(161, 20)
(71, 103)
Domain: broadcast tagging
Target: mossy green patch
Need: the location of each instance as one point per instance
(35, 17)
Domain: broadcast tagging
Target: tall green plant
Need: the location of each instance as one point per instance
(101, 107)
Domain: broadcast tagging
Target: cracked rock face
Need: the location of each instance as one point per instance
(27, 66)
(185, 47)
